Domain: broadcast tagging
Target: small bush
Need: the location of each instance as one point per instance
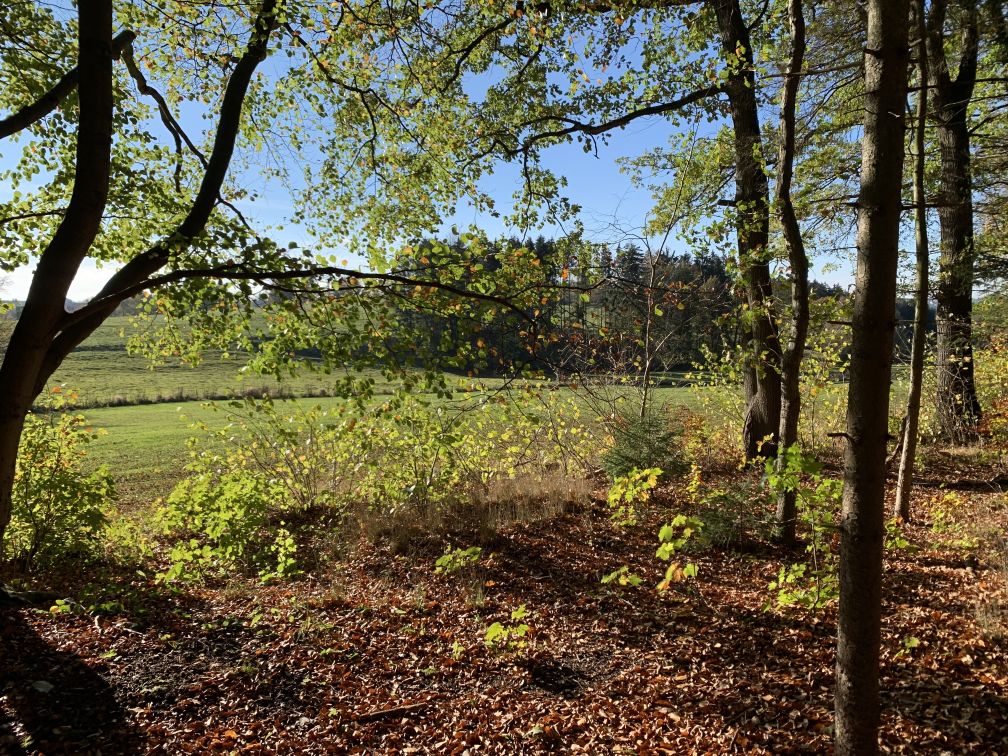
(454, 560)
(403, 468)
(651, 441)
(226, 516)
(58, 510)
(630, 490)
(812, 584)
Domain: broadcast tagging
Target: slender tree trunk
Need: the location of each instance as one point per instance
(957, 404)
(912, 420)
(790, 410)
(861, 524)
(752, 200)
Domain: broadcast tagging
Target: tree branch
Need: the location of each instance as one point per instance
(49, 101)
(72, 331)
(239, 272)
(595, 129)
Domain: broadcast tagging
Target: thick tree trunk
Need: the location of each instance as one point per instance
(58, 263)
(957, 404)
(958, 407)
(911, 422)
(752, 201)
(790, 411)
(11, 424)
(861, 525)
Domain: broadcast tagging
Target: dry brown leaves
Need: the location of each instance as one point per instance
(379, 654)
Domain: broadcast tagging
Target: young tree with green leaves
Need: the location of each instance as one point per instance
(791, 358)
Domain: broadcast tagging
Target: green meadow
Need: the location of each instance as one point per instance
(102, 373)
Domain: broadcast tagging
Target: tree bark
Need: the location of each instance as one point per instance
(873, 324)
(912, 420)
(957, 404)
(791, 359)
(752, 200)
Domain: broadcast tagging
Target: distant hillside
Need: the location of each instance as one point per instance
(129, 307)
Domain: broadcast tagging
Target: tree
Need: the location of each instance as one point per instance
(958, 406)
(791, 358)
(908, 445)
(752, 204)
(45, 332)
(862, 518)
(172, 223)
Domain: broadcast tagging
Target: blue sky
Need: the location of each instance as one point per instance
(609, 202)
(595, 183)
(611, 206)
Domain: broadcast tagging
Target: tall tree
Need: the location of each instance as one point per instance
(45, 333)
(752, 205)
(791, 359)
(958, 406)
(862, 518)
(165, 213)
(911, 425)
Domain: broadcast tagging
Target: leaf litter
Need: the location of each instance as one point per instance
(376, 653)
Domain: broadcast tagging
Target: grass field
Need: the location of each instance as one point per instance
(145, 445)
(148, 412)
(104, 374)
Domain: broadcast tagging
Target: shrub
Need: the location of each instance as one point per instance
(226, 516)
(812, 584)
(511, 636)
(403, 466)
(58, 510)
(454, 560)
(628, 491)
(266, 467)
(651, 441)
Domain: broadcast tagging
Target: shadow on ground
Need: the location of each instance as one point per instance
(52, 702)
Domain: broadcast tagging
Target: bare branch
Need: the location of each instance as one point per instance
(595, 129)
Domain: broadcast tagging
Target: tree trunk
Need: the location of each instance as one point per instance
(58, 263)
(958, 407)
(873, 324)
(791, 359)
(912, 420)
(752, 202)
(11, 425)
(957, 404)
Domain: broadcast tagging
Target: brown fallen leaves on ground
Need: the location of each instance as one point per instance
(378, 654)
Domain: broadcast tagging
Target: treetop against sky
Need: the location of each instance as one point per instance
(360, 133)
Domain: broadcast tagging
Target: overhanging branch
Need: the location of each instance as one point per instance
(596, 129)
(49, 101)
(240, 272)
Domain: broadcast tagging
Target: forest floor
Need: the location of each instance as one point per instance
(375, 652)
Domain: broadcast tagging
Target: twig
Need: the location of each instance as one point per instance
(395, 711)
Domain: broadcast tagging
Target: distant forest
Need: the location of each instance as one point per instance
(600, 313)
(596, 315)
